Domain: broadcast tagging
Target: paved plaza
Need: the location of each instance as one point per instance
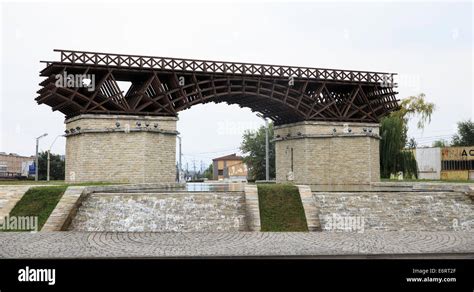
(237, 244)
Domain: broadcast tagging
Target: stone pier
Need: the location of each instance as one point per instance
(327, 153)
(120, 148)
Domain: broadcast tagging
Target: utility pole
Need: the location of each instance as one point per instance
(187, 169)
(37, 160)
(267, 163)
(194, 168)
(267, 159)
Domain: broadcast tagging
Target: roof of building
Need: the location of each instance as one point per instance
(14, 155)
(232, 156)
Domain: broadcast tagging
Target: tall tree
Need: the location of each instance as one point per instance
(465, 134)
(253, 146)
(394, 129)
(208, 173)
(57, 166)
(440, 143)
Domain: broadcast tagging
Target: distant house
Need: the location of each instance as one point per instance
(229, 167)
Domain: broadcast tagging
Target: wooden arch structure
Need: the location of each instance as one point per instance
(161, 86)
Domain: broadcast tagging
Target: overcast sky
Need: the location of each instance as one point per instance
(428, 44)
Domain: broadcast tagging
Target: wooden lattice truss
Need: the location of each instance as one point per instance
(165, 86)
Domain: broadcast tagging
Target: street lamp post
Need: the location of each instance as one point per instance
(37, 160)
(267, 159)
(49, 159)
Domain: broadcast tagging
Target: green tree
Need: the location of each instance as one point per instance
(253, 146)
(208, 173)
(394, 129)
(465, 134)
(57, 166)
(440, 143)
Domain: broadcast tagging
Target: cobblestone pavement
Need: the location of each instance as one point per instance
(239, 244)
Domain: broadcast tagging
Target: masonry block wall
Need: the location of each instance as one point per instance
(121, 148)
(162, 212)
(397, 211)
(327, 153)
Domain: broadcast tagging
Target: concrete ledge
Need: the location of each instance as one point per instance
(115, 117)
(467, 188)
(65, 209)
(425, 186)
(252, 209)
(321, 123)
(310, 209)
(125, 131)
(134, 187)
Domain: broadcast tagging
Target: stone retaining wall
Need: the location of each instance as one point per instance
(72, 198)
(397, 211)
(162, 212)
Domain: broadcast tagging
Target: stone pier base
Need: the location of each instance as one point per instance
(327, 153)
(121, 148)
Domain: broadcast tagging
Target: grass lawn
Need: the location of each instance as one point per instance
(39, 201)
(281, 208)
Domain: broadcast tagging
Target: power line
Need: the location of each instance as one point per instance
(210, 152)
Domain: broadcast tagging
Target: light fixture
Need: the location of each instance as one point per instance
(117, 124)
(139, 124)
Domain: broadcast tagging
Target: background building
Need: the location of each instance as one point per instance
(229, 167)
(12, 165)
(445, 163)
